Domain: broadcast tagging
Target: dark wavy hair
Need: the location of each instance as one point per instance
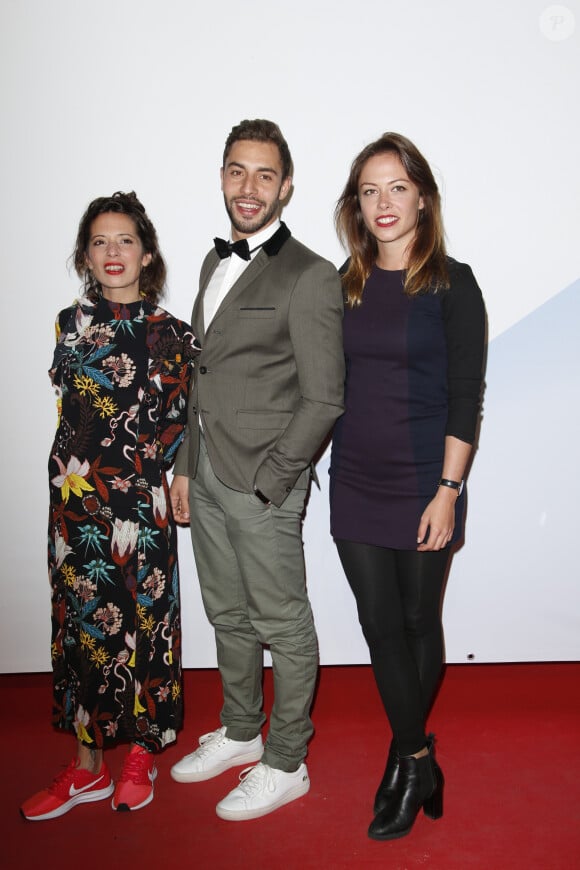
(153, 277)
(260, 130)
(427, 261)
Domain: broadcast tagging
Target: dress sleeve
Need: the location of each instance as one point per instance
(173, 376)
(53, 370)
(465, 326)
(64, 323)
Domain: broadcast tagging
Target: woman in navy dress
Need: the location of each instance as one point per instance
(414, 330)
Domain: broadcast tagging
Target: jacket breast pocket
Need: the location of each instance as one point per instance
(258, 312)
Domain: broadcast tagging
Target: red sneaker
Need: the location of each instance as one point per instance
(134, 789)
(73, 786)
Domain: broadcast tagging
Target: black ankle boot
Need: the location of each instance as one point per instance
(419, 784)
(389, 780)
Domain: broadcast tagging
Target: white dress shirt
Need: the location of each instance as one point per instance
(229, 270)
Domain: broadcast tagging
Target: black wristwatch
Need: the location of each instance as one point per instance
(452, 484)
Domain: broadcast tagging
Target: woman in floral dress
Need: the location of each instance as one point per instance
(121, 373)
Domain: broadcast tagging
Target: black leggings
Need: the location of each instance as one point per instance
(398, 596)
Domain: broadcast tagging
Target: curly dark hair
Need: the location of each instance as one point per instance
(153, 276)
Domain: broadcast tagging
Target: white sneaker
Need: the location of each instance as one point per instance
(262, 790)
(216, 753)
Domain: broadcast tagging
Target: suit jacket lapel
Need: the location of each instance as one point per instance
(260, 262)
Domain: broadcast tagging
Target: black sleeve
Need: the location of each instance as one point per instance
(65, 317)
(465, 326)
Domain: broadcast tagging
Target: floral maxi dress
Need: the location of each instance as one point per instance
(121, 373)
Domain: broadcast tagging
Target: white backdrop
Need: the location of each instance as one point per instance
(138, 94)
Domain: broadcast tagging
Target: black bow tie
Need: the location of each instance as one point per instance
(226, 249)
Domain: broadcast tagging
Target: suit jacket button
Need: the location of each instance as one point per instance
(288, 489)
(202, 370)
(194, 409)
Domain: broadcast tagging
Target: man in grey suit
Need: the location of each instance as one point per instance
(266, 392)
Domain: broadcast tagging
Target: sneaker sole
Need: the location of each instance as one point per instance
(125, 808)
(202, 775)
(243, 815)
(83, 798)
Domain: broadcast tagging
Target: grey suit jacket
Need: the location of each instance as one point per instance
(268, 383)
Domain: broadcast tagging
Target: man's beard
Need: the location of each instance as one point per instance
(252, 225)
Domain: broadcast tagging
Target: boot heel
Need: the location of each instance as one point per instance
(433, 805)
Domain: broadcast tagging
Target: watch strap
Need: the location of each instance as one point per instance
(452, 484)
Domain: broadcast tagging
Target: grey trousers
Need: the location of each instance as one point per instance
(250, 563)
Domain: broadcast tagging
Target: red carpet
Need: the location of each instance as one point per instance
(507, 742)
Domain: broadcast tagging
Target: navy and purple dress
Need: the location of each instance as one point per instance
(413, 376)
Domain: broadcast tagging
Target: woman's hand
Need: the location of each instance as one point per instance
(179, 498)
(439, 519)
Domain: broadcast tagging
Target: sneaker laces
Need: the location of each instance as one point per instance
(63, 779)
(256, 779)
(137, 767)
(209, 742)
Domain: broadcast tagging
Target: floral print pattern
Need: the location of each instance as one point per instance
(121, 374)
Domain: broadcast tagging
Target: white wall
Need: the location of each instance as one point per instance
(138, 94)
